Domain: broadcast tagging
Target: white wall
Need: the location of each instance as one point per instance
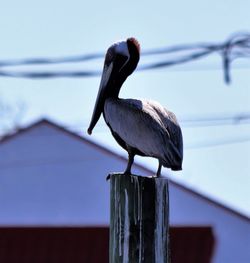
(232, 232)
(48, 177)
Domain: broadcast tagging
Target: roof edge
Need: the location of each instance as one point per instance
(104, 149)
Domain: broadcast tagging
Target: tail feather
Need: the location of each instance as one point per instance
(172, 157)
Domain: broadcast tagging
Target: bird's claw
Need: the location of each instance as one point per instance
(125, 173)
(108, 177)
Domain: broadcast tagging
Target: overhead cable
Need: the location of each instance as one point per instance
(235, 47)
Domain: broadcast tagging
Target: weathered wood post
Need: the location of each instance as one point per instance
(138, 219)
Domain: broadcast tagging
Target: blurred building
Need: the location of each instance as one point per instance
(54, 202)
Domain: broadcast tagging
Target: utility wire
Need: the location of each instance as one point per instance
(189, 146)
(236, 119)
(197, 121)
(235, 47)
(194, 146)
(49, 74)
(216, 143)
(46, 61)
(188, 122)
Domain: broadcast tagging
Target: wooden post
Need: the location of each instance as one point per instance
(138, 219)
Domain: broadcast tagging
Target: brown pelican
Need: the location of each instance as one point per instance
(141, 127)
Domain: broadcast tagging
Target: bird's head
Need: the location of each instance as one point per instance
(120, 61)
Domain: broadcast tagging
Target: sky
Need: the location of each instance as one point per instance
(62, 28)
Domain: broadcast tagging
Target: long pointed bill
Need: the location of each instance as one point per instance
(99, 104)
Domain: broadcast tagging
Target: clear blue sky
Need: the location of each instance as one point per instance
(58, 28)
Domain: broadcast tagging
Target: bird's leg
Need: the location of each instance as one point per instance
(128, 169)
(158, 174)
(130, 162)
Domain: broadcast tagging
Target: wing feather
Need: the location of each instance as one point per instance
(146, 126)
(170, 122)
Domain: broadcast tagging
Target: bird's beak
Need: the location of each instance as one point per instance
(102, 94)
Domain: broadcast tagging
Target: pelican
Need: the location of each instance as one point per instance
(141, 127)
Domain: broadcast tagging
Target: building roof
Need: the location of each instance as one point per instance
(105, 150)
(79, 244)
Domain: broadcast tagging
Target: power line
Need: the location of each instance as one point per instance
(46, 61)
(219, 120)
(188, 146)
(49, 74)
(187, 122)
(236, 46)
(94, 56)
(198, 121)
(216, 143)
(193, 122)
(83, 159)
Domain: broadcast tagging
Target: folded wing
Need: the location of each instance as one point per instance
(148, 127)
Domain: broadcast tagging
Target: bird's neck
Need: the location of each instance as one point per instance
(115, 89)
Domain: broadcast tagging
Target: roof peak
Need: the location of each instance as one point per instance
(104, 149)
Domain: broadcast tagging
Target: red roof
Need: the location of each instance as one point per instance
(91, 245)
